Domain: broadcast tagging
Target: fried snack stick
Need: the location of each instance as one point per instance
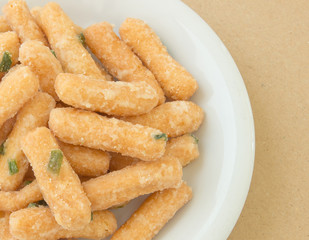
(113, 98)
(154, 213)
(58, 182)
(183, 148)
(5, 227)
(142, 178)
(173, 118)
(4, 26)
(6, 129)
(92, 130)
(13, 163)
(63, 39)
(39, 223)
(15, 200)
(21, 21)
(86, 162)
(9, 45)
(176, 81)
(118, 58)
(43, 63)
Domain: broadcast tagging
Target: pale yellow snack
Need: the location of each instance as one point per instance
(15, 200)
(63, 39)
(13, 163)
(128, 183)
(86, 162)
(154, 213)
(4, 26)
(58, 182)
(43, 63)
(118, 58)
(176, 82)
(39, 224)
(173, 118)
(92, 130)
(9, 44)
(19, 18)
(16, 88)
(5, 227)
(112, 98)
(183, 148)
(6, 129)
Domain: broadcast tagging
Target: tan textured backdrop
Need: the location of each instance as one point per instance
(269, 41)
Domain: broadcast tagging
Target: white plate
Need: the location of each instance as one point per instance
(220, 178)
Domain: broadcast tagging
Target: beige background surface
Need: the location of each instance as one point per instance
(269, 41)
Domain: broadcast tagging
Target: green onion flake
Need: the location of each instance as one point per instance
(53, 52)
(82, 39)
(13, 168)
(6, 62)
(195, 138)
(161, 136)
(31, 205)
(2, 149)
(55, 161)
(91, 216)
(26, 183)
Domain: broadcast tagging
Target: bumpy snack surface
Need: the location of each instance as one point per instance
(4, 26)
(5, 227)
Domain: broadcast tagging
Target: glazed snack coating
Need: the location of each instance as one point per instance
(6, 129)
(176, 81)
(21, 21)
(173, 118)
(5, 227)
(142, 178)
(24, 225)
(86, 162)
(113, 98)
(62, 191)
(43, 63)
(15, 200)
(63, 39)
(118, 58)
(154, 213)
(34, 114)
(4, 26)
(16, 88)
(92, 130)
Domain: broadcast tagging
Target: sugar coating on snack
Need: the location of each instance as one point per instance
(118, 58)
(43, 63)
(176, 81)
(128, 183)
(85, 161)
(24, 225)
(173, 118)
(6, 129)
(113, 98)
(62, 191)
(14, 200)
(92, 130)
(4, 26)
(19, 18)
(5, 227)
(63, 39)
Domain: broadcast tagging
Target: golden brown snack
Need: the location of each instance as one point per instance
(16, 88)
(58, 182)
(63, 39)
(4, 26)
(5, 227)
(128, 183)
(173, 118)
(113, 98)
(24, 225)
(43, 63)
(92, 130)
(176, 81)
(86, 162)
(154, 213)
(19, 18)
(118, 58)
(13, 163)
(6, 129)
(15, 200)
(119, 161)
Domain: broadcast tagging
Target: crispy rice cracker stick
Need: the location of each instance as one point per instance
(4, 26)
(92, 130)
(21, 21)
(39, 223)
(5, 227)
(142, 178)
(58, 182)
(13, 163)
(118, 58)
(113, 98)
(176, 81)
